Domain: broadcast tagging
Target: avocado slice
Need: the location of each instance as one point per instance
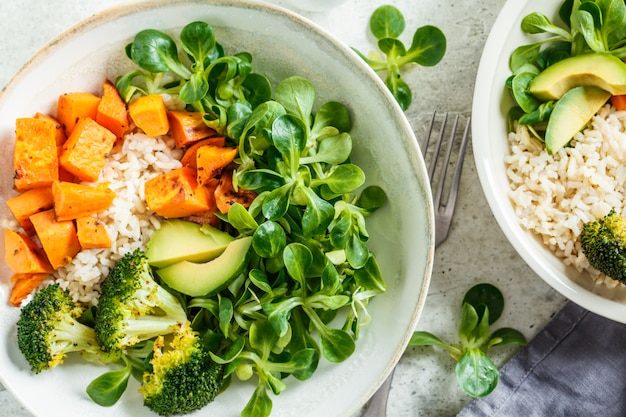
(206, 278)
(178, 240)
(571, 114)
(601, 70)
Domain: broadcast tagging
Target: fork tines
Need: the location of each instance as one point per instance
(445, 183)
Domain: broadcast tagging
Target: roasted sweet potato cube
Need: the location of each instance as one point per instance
(188, 127)
(211, 160)
(78, 200)
(91, 233)
(112, 112)
(24, 205)
(209, 216)
(226, 195)
(149, 114)
(176, 194)
(22, 255)
(85, 151)
(72, 107)
(23, 285)
(35, 159)
(190, 155)
(60, 135)
(58, 238)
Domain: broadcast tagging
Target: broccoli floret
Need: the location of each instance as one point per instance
(604, 244)
(48, 329)
(183, 378)
(133, 307)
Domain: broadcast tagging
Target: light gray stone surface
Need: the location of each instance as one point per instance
(476, 251)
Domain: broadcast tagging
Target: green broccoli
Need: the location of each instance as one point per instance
(182, 378)
(604, 244)
(133, 307)
(48, 329)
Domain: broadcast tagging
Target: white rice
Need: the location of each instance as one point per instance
(555, 195)
(128, 221)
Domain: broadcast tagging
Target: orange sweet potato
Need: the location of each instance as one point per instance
(91, 233)
(149, 114)
(209, 216)
(60, 135)
(58, 238)
(188, 127)
(72, 107)
(226, 196)
(22, 255)
(176, 194)
(72, 201)
(35, 161)
(85, 151)
(24, 205)
(211, 160)
(190, 155)
(23, 285)
(64, 175)
(112, 112)
(619, 102)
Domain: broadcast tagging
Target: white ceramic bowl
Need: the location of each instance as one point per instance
(282, 44)
(491, 103)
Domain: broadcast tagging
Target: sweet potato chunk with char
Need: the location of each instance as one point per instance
(72, 107)
(209, 216)
(91, 233)
(226, 196)
(78, 200)
(86, 150)
(23, 285)
(22, 255)
(29, 202)
(35, 161)
(211, 160)
(58, 238)
(190, 156)
(176, 194)
(188, 127)
(60, 135)
(150, 115)
(112, 112)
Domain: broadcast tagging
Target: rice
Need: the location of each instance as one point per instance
(128, 221)
(555, 195)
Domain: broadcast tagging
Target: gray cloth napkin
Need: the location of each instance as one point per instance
(575, 366)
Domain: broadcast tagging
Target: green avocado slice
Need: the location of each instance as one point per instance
(601, 70)
(206, 278)
(571, 114)
(179, 240)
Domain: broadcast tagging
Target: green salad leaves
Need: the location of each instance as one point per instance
(427, 48)
(476, 373)
(305, 293)
(221, 86)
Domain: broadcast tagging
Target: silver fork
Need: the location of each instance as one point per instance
(444, 204)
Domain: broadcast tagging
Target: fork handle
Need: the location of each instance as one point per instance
(377, 405)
